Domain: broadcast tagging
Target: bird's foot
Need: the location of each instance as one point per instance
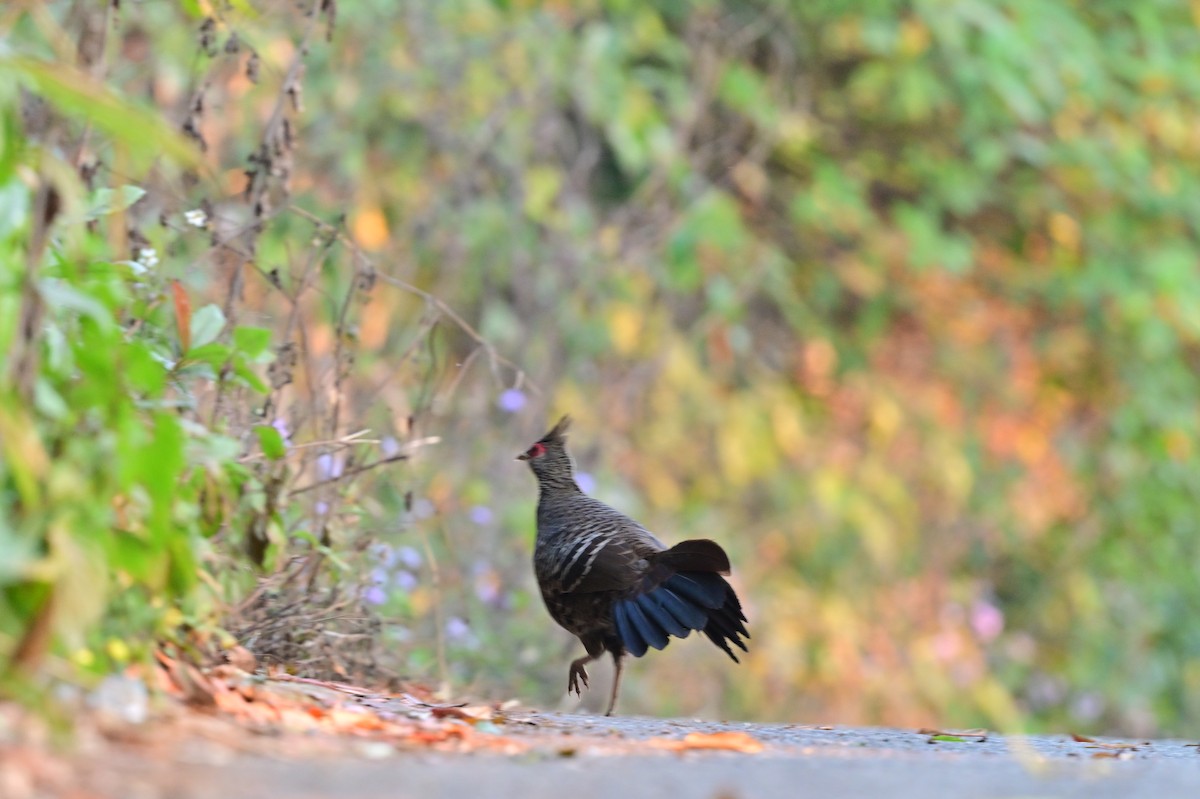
(578, 674)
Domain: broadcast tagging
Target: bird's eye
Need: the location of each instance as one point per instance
(536, 451)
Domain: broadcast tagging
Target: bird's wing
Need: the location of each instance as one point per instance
(681, 590)
(609, 555)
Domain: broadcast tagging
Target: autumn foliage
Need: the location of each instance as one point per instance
(899, 300)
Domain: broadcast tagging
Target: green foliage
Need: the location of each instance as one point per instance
(101, 494)
(898, 300)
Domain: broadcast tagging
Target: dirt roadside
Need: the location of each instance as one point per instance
(239, 735)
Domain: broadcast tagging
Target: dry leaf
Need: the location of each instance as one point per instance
(1083, 739)
(473, 714)
(728, 741)
(241, 657)
(979, 734)
(1120, 747)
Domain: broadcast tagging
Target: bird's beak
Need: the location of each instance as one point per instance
(522, 457)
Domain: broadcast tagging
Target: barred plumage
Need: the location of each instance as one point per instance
(612, 583)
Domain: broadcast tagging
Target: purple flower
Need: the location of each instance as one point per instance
(1087, 707)
(328, 467)
(423, 508)
(321, 507)
(585, 481)
(379, 576)
(987, 620)
(512, 400)
(410, 557)
(487, 584)
(457, 629)
(389, 446)
(324, 466)
(281, 426)
(405, 581)
(374, 595)
(481, 515)
(459, 632)
(385, 554)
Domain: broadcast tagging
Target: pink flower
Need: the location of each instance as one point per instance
(987, 620)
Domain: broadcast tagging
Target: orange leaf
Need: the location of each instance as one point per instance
(370, 228)
(1083, 739)
(729, 741)
(470, 714)
(183, 315)
(735, 741)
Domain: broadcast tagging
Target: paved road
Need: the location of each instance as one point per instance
(563, 756)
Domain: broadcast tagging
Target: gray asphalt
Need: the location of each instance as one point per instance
(563, 756)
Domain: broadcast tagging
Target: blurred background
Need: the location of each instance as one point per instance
(898, 301)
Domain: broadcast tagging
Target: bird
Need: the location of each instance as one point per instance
(612, 583)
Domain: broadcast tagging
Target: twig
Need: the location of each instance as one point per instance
(344, 441)
(353, 472)
(433, 300)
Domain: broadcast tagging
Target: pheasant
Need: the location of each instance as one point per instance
(612, 583)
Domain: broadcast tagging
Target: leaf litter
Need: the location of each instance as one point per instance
(1120, 750)
(278, 704)
(953, 736)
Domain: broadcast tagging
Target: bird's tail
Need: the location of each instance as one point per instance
(685, 592)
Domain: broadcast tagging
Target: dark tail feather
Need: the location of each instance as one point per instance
(686, 601)
(723, 626)
(696, 555)
(629, 635)
(650, 632)
(654, 604)
(705, 589)
(686, 613)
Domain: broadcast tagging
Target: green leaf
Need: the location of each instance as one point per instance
(214, 354)
(207, 324)
(271, 442)
(253, 341)
(144, 371)
(109, 201)
(48, 401)
(59, 294)
(943, 738)
(248, 376)
(14, 207)
(143, 132)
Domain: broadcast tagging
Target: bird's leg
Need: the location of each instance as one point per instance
(612, 702)
(595, 648)
(578, 673)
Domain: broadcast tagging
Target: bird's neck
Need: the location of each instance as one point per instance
(552, 484)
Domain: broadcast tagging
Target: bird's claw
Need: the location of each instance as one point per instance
(578, 673)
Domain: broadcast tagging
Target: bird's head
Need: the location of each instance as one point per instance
(548, 456)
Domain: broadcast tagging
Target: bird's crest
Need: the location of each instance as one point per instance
(558, 433)
(556, 436)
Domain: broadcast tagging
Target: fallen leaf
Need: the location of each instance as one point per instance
(1120, 747)
(729, 741)
(980, 735)
(194, 688)
(473, 714)
(1083, 739)
(242, 658)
